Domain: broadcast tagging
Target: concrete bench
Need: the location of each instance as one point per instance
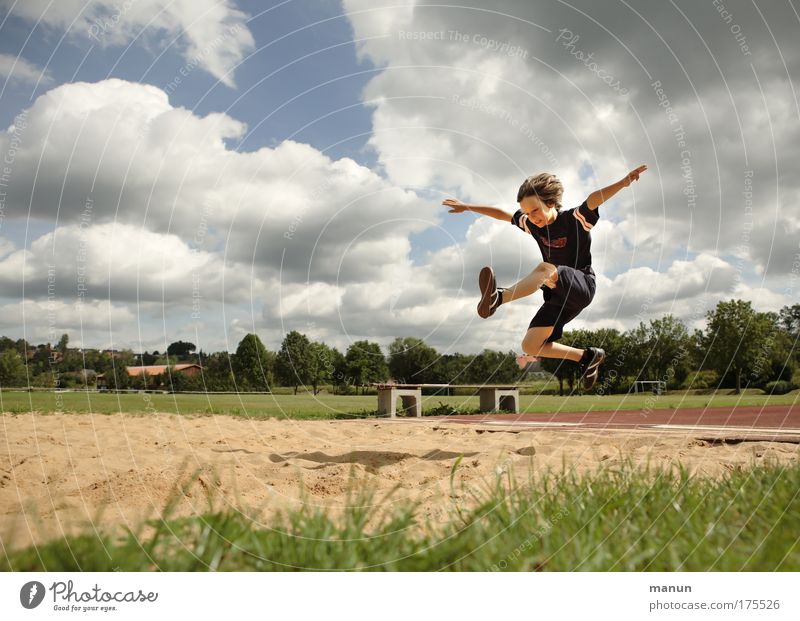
(493, 398)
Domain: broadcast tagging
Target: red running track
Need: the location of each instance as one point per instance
(746, 422)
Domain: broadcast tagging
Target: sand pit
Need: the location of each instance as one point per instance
(58, 471)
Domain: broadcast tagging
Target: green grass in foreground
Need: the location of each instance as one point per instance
(326, 406)
(617, 519)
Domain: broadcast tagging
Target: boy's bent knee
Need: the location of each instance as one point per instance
(549, 272)
(548, 269)
(532, 348)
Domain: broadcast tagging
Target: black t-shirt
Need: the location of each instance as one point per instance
(567, 240)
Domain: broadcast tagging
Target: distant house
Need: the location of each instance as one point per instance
(189, 369)
(82, 351)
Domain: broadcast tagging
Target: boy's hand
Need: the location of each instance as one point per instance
(456, 206)
(598, 197)
(633, 175)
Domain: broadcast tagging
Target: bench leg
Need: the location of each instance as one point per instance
(509, 403)
(412, 403)
(387, 402)
(488, 398)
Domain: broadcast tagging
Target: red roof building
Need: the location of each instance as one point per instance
(189, 369)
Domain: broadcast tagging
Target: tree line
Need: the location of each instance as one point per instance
(738, 348)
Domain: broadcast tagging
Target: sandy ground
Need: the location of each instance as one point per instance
(58, 471)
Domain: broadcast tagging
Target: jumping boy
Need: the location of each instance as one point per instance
(565, 276)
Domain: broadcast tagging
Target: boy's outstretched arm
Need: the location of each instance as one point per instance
(456, 206)
(599, 197)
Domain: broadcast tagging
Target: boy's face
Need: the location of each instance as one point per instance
(538, 212)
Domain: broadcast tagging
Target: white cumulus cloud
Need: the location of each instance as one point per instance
(17, 69)
(212, 34)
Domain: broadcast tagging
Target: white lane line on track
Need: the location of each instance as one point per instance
(759, 430)
(645, 428)
(526, 423)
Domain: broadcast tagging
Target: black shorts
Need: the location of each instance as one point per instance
(573, 292)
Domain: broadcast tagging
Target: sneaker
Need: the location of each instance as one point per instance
(523, 360)
(590, 366)
(490, 294)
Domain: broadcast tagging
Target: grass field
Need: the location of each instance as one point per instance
(326, 406)
(616, 519)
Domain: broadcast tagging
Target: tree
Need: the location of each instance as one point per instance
(789, 320)
(7, 343)
(166, 360)
(778, 357)
(180, 349)
(178, 381)
(218, 372)
(12, 369)
(253, 364)
(365, 363)
(412, 361)
(294, 360)
(23, 346)
(734, 337)
(40, 361)
(666, 347)
(493, 367)
(697, 350)
(561, 369)
(148, 359)
(614, 372)
(320, 368)
(48, 379)
(340, 379)
(454, 368)
(61, 346)
(72, 360)
(117, 377)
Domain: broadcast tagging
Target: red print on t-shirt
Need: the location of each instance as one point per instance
(558, 242)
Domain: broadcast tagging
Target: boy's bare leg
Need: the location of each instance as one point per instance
(534, 345)
(545, 273)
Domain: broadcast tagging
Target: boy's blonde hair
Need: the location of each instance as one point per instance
(544, 185)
